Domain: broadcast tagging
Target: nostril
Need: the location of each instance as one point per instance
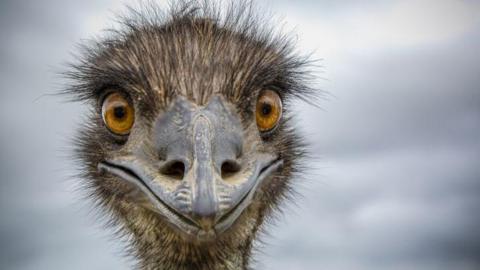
(175, 169)
(230, 168)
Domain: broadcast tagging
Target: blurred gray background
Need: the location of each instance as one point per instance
(398, 182)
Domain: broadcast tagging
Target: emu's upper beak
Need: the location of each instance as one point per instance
(203, 178)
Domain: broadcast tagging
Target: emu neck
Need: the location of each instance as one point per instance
(235, 261)
(182, 257)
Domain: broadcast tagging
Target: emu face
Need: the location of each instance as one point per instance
(189, 132)
(197, 164)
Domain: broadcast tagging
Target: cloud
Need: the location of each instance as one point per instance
(367, 28)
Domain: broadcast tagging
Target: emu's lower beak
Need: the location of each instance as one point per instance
(204, 180)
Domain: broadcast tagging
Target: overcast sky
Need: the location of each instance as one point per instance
(397, 181)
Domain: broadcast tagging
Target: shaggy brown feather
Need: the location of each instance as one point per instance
(195, 51)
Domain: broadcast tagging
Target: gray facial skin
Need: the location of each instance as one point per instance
(201, 180)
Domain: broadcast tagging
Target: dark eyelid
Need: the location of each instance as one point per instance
(105, 91)
(275, 87)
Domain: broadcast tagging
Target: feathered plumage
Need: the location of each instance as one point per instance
(196, 51)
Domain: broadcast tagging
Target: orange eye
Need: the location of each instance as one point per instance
(118, 114)
(269, 110)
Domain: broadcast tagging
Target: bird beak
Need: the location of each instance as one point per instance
(204, 178)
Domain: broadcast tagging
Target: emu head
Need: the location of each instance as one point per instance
(189, 140)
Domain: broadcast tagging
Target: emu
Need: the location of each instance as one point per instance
(189, 146)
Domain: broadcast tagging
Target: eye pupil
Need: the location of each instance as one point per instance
(119, 112)
(266, 109)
